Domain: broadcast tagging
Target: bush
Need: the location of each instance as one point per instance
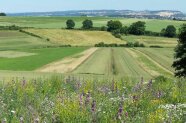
(103, 28)
(124, 30)
(129, 44)
(113, 25)
(70, 24)
(137, 28)
(160, 79)
(2, 14)
(150, 33)
(87, 24)
(156, 46)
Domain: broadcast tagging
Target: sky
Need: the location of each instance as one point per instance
(15, 6)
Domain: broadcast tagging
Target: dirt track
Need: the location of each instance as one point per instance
(67, 64)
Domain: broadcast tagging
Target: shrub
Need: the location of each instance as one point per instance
(87, 24)
(156, 46)
(70, 24)
(113, 25)
(103, 28)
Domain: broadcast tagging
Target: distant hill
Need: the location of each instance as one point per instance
(161, 14)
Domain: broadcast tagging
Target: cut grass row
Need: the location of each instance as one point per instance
(112, 61)
(123, 62)
(163, 56)
(59, 22)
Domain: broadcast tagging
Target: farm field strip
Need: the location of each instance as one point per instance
(54, 22)
(112, 62)
(164, 56)
(67, 64)
(98, 63)
(43, 56)
(151, 40)
(128, 65)
(153, 64)
(76, 37)
(142, 64)
(18, 40)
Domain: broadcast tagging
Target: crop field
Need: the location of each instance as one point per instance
(40, 58)
(151, 40)
(44, 80)
(163, 56)
(127, 62)
(18, 40)
(76, 37)
(60, 22)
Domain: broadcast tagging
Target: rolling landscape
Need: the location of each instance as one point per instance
(93, 66)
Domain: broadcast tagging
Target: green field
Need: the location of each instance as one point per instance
(59, 22)
(18, 40)
(42, 57)
(152, 40)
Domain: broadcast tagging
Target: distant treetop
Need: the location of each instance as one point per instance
(2, 14)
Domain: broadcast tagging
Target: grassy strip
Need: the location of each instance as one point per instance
(153, 64)
(163, 56)
(43, 57)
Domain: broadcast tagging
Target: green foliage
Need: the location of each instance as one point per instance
(113, 25)
(170, 31)
(135, 44)
(87, 24)
(137, 28)
(103, 28)
(2, 14)
(70, 24)
(128, 44)
(12, 27)
(180, 55)
(124, 30)
(43, 56)
(31, 34)
(70, 99)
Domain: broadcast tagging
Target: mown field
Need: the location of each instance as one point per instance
(18, 40)
(76, 37)
(151, 40)
(128, 62)
(59, 22)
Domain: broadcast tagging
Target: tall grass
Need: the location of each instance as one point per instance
(70, 99)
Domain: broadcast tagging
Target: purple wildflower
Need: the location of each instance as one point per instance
(126, 114)
(23, 82)
(142, 80)
(120, 111)
(93, 106)
(81, 100)
(159, 94)
(87, 98)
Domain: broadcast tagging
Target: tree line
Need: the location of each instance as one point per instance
(118, 29)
